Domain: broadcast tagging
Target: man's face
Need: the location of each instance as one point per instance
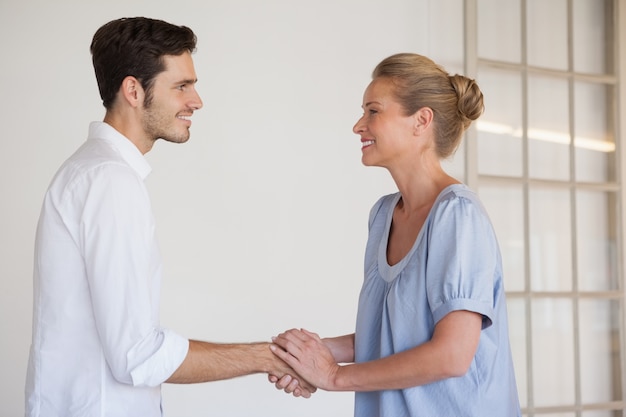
(174, 99)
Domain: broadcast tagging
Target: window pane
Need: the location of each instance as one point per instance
(600, 369)
(499, 129)
(516, 308)
(547, 33)
(505, 205)
(548, 128)
(553, 352)
(499, 33)
(597, 241)
(590, 35)
(550, 240)
(595, 144)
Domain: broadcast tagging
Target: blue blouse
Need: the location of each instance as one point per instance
(454, 264)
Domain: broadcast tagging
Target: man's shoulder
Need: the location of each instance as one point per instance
(92, 160)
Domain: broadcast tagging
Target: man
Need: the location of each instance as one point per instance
(98, 348)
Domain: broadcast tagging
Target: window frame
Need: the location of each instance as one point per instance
(472, 65)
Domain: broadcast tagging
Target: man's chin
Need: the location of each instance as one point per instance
(175, 139)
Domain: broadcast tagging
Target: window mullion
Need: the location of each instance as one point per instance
(619, 21)
(471, 70)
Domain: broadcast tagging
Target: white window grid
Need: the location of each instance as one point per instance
(616, 81)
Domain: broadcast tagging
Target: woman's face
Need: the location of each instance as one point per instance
(384, 128)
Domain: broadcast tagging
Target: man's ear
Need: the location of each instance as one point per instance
(422, 119)
(131, 91)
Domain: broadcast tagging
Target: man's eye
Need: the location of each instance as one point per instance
(181, 87)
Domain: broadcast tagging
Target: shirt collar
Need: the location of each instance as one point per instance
(128, 150)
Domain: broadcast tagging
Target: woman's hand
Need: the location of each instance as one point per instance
(307, 354)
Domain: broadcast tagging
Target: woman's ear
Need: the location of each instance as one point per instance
(422, 120)
(132, 91)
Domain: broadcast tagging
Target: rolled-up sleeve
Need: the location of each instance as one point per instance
(149, 367)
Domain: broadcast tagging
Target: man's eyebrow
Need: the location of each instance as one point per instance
(188, 81)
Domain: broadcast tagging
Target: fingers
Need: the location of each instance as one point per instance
(296, 335)
(300, 392)
(282, 369)
(294, 341)
(283, 383)
(282, 354)
(295, 348)
(311, 334)
(292, 386)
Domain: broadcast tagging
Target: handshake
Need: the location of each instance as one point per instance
(303, 362)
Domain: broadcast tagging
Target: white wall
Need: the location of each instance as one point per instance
(262, 215)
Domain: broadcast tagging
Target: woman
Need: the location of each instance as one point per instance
(431, 334)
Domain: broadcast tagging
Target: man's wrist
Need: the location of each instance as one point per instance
(266, 358)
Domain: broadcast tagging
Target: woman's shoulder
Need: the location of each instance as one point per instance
(457, 204)
(383, 205)
(457, 194)
(385, 202)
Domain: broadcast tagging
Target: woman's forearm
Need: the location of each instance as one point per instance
(342, 347)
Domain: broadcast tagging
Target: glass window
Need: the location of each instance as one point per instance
(550, 239)
(548, 128)
(595, 144)
(592, 19)
(600, 378)
(547, 33)
(596, 227)
(500, 127)
(554, 381)
(546, 165)
(505, 205)
(500, 30)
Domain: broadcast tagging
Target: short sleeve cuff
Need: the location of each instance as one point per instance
(483, 308)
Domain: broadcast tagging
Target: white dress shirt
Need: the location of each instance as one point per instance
(98, 349)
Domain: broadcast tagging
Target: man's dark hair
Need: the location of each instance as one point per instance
(135, 47)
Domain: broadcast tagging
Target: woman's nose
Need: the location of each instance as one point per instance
(358, 127)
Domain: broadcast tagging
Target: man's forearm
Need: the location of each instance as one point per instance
(213, 361)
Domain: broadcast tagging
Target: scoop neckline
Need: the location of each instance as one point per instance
(390, 272)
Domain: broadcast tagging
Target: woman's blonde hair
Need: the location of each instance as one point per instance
(419, 82)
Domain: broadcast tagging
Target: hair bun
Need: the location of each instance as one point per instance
(470, 98)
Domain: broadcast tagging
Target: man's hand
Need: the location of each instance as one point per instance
(290, 385)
